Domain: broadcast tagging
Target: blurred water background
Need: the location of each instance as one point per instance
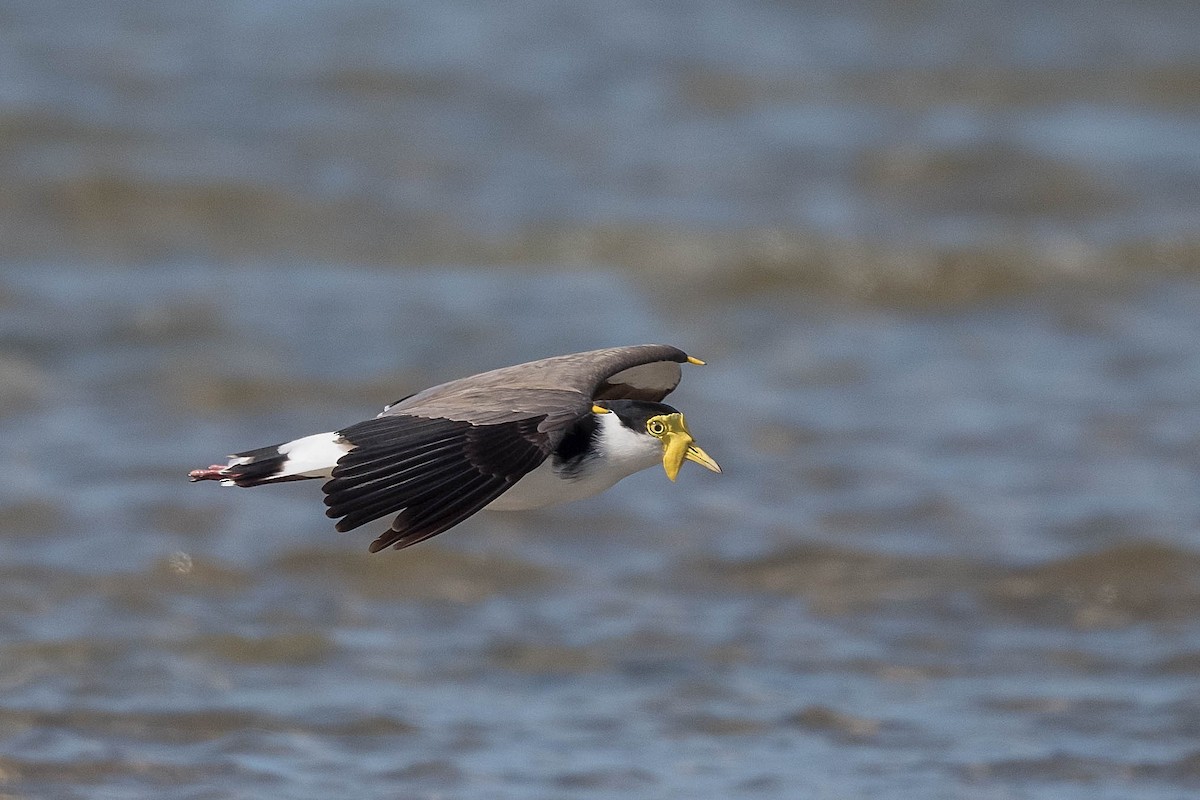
(941, 258)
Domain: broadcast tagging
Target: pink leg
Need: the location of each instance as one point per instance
(213, 473)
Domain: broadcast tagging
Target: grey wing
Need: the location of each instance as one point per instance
(652, 382)
(561, 388)
(432, 473)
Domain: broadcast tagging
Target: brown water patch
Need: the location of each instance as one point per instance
(377, 84)
(540, 658)
(1089, 715)
(717, 92)
(1028, 705)
(987, 179)
(927, 511)
(178, 573)
(118, 213)
(1180, 664)
(1172, 254)
(897, 272)
(371, 725)
(1165, 86)
(31, 518)
(197, 387)
(1060, 767)
(438, 772)
(997, 87)
(778, 438)
(177, 727)
(85, 772)
(1142, 582)
(719, 725)
(1183, 770)
(301, 647)
(114, 215)
(601, 779)
(183, 727)
(181, 572)
(182, 519)
(173, 321)
(22, 383)
(650, 652)
(144, 591)
(31, 662)
(839, 580)
(31, 590)
(424, 572)
(745, 261)
(1070, 768)
(839, 725)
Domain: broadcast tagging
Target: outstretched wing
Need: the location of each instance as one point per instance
(562, 387)
(432, 473)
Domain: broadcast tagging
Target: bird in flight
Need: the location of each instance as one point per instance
(520, 437)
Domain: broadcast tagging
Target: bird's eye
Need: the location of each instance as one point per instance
(656, 427)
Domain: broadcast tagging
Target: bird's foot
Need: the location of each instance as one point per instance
(212, 473)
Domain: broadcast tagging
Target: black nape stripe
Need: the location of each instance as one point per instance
(578, 441)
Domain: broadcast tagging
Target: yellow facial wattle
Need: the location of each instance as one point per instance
(678, 444)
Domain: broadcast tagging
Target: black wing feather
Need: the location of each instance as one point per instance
(373, 488)
(421, 527)
(385, 434)
(400, 494)
(432, 473)
(354, 474)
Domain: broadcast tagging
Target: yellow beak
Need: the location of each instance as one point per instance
(679, 446)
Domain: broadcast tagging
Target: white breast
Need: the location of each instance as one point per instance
(620, 453)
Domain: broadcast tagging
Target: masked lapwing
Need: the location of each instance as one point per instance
(521, 437)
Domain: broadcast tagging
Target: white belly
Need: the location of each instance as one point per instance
(619, 452)
(545, 487)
